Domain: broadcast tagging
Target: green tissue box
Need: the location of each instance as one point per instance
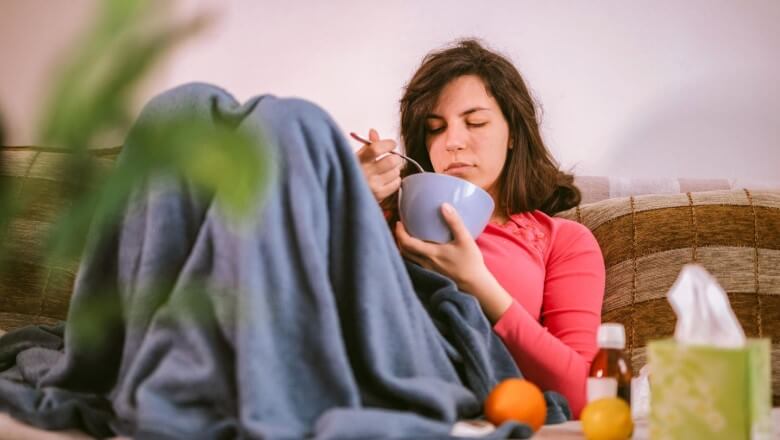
(699, 392)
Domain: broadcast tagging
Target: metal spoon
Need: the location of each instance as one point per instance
(366, 142)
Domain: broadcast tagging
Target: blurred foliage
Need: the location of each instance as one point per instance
(93, 91)
(216, 159)
(93, 95)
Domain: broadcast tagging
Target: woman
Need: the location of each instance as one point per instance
(539, 279)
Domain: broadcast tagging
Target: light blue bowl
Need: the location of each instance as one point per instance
(420, 203)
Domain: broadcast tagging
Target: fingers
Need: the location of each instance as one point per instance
(381, 169)
(401, 237)
(370, 152)
(412, 245)
(376, 148)
(381, 176)
(382, 184)
(390, 162)
(374, 157)
(387, 189)
(380, 180)
(455, 223)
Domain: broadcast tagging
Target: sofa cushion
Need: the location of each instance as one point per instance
(734, 234)
(32, 289)
(597, 188)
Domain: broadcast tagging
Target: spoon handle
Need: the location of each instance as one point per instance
(414, 162)
(366, 142)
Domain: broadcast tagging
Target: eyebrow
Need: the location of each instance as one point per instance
(467, 112)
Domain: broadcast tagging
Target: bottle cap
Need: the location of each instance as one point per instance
(611, 335)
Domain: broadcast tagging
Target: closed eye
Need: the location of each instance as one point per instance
(432, 130)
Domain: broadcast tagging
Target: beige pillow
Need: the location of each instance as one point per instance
(734, 234)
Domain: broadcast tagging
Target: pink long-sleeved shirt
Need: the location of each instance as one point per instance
(554, 270)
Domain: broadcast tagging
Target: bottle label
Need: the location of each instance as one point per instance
(600, 387)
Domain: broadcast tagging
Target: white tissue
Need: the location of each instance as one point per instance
(640, 394)
(704, 315)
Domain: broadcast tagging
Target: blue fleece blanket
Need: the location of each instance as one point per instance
(306, 323)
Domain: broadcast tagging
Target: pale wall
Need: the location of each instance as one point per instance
(640, 88)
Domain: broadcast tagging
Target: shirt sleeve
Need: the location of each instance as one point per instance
(556, 354)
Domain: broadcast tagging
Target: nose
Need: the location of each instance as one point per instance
(454, 139)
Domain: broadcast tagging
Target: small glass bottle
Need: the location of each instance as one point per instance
(610, 372)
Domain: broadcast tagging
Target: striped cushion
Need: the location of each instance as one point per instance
(734, 234)
(33, 290)
(597, 188)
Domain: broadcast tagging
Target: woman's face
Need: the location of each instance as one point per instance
(467, 134)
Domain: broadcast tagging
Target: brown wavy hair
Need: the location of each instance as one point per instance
(531, 178)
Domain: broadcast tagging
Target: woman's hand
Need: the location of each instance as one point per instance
(460, 260)
(383, 175)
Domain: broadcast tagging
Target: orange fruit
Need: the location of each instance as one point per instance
(518, 400)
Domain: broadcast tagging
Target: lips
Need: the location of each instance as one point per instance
(457, 166)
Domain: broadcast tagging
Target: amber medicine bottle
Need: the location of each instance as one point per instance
(610, 372)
